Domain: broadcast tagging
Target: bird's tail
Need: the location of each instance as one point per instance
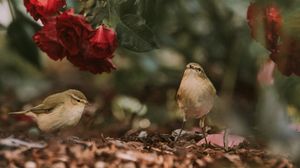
(17, 112)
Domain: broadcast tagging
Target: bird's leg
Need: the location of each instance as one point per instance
(182, 126)
(225, 139)
(203, 127)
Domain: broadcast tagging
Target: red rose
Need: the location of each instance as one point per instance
(71, 36)
(47, 41)
(72, 31)
(265, 24)
(92, 65)
(102, 43)
(41, 9)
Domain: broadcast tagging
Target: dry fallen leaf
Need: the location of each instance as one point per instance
(14, 142)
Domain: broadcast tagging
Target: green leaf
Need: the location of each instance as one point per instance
(97, 12)
(19, 34)
(126, 7)
(135, 35)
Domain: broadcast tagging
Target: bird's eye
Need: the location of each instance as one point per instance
(78, 100)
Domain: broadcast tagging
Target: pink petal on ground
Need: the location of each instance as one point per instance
(295, 127)
(217, 139)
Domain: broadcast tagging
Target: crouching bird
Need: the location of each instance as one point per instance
(58, 110)
(195, 96)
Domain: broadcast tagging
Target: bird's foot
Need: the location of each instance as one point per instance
(178, 133)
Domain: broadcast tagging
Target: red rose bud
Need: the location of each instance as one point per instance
(102, 43)
(265, 24)
(96, 53)
(42, 9)
(72, 31)
(46, 40)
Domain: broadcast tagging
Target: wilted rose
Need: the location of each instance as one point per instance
(46, 39)
(72, 31)
(42, 9)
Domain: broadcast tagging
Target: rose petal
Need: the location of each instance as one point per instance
(41, 9)
(47, 41)
(72, 31)
(217, 139)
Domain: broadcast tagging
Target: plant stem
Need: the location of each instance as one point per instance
(109, 12)
(11, 9)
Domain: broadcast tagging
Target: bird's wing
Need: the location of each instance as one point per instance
(48, 104)
(42, 108)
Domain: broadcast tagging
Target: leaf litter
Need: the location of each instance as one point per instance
(137, 149)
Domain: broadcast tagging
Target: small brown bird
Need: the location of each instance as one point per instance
(57, 111)
(196, 95)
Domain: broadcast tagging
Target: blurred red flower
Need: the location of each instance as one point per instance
(288, 56)
(266, 27)
(42, 9)
(265, 24)
(72, 31)
(102, 43)
(94, 65)
(46, 39)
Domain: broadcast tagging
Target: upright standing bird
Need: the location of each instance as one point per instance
(57, 111)
(196, 95)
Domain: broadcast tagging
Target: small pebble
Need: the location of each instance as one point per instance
(58, 165)
(100, 164)
(30, 164)
(143, 134)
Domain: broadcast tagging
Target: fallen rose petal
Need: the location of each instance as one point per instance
(217, 139)
(295, 127)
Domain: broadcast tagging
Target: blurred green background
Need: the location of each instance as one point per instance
(141, 92)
